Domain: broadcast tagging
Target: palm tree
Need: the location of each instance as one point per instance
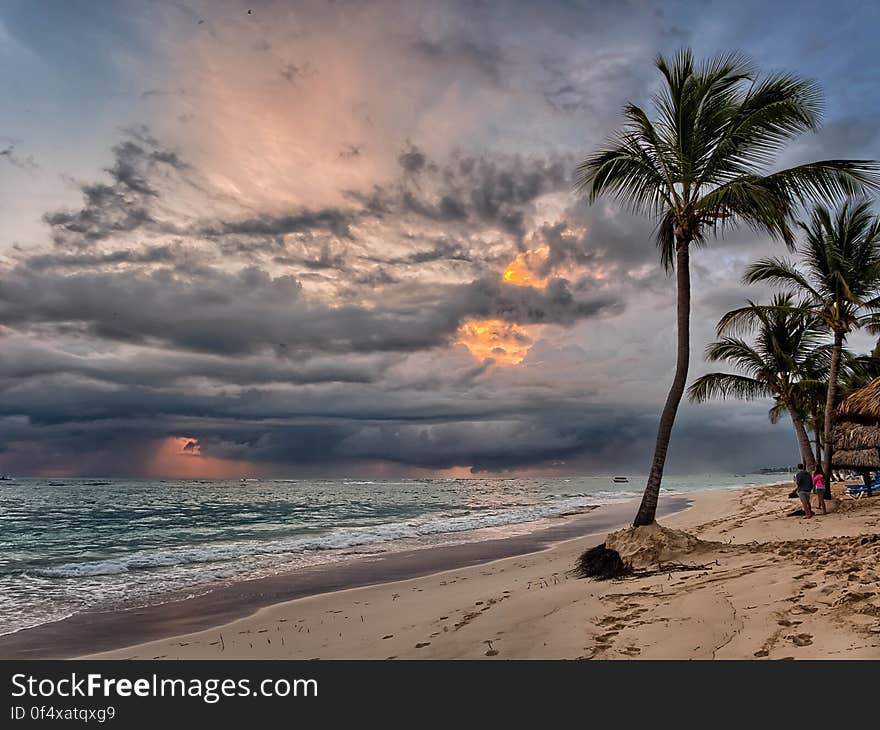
(702, 165)
(839, 281)
(813, 398)
(778, 365)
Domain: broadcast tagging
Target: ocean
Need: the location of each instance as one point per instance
(68, 545)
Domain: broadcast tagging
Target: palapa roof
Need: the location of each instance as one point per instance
(862, 404)
(856, 459)
(856, 435)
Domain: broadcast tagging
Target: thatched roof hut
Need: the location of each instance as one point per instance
(863, 404)
(856, 435)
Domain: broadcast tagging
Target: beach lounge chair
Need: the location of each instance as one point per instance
(859, 490)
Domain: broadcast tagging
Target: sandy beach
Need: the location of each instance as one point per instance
(771, 586)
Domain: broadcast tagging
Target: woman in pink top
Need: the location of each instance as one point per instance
(819, 485)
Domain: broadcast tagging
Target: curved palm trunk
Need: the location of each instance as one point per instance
(829, 404)
(648, 507)
(803, 440)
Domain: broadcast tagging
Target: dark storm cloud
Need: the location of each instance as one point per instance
(248, 310)
(123, 205)
(473, 193)
(25, 359)
(526, 305)
(564, 248)
(443, 249)
(490, 190)
(326, 259)
(447, 209)
(499, 190)
(485, 446)
(412, 160)
(150, 255)
(293, 444)
(249, 332)
(135, 198)
(349, 423)
(376, 277)
(331, 219)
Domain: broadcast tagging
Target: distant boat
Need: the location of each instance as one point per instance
(6, 478)
(621, 480)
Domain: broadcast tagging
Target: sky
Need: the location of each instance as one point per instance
(339, 238)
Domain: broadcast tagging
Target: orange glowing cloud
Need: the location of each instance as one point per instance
(506, 343)
(521, 271)
(182, 458)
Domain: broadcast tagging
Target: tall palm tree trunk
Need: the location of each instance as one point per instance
(829, 404)
(648, 507)
(803, 440)
(818, 434)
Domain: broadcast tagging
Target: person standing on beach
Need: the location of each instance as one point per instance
(804, 485)
(819, 484)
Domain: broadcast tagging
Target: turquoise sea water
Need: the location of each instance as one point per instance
(71, 544)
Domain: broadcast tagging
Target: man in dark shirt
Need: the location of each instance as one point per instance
(804, 485)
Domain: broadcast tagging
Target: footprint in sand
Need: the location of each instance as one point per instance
(608, 636)
(799, 608)
(801, 639)
(423, 644)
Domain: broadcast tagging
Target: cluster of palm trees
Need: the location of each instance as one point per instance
(702, 164)
(798, 354)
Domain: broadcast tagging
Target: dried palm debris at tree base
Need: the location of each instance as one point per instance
(601, 563)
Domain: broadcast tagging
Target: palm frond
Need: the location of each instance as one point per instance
(783, 273)
(626, 172)
(826, 180)
(726, 385)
